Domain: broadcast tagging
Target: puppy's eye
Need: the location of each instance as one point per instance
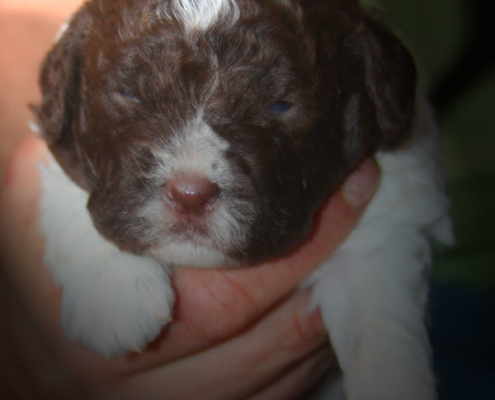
(281, 107)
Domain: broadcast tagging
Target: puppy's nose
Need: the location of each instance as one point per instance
(191, 195)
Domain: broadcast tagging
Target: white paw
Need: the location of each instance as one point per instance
(113, 302)
(117, 308)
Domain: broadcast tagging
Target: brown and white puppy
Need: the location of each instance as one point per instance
(208, 133)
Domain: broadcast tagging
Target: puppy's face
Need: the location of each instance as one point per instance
(209, 132)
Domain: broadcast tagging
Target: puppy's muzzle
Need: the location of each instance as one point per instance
(191, 195)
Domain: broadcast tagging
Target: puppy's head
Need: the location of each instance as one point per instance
(210, 131)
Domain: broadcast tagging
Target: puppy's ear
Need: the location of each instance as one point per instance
(60, 80)
(370, 77)
(390, 81)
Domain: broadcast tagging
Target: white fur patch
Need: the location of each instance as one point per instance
(190, 254)
(196, 149)
(373, 291)
(113, 302)
(199, 15)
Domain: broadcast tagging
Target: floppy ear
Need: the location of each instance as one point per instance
(368, 75)
(390, 81)
(60, 79)
(60, 82)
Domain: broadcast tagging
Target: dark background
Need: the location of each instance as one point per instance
(454, 45)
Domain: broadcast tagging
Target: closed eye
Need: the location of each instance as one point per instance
(281, 107)
(126, 96)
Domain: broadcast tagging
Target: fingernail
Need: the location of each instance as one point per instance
(361, 185)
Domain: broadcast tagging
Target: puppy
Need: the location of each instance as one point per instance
(208, 133)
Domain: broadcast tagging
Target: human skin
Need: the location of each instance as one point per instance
(237, 334)
(27, 30)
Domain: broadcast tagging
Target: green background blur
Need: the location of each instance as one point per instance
(453, 43)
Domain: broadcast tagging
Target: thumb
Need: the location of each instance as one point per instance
(21, 180)
(18, 204)
(362, 184)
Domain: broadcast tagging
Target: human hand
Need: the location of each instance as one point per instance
(237, 334)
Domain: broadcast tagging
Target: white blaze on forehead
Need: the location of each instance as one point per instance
(202, 14)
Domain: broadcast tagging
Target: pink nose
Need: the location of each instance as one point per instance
(191, 195)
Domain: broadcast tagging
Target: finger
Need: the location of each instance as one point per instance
(361, 185)
(18, 210)
(22, 245)
(244, 364)
(234, 298)
(20, 183)
(302, 377)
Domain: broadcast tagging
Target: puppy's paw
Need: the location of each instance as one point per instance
(119, 308)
